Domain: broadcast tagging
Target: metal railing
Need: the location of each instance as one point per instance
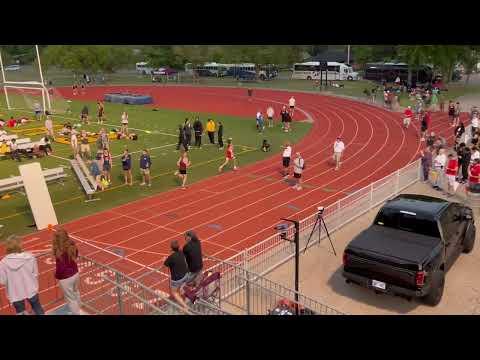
(107, 291)
(247, 293)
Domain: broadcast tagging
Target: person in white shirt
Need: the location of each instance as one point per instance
(270, 114)
(338, 148)
(475, 154)
(49, 127)
(287, 153)
(291, 103)
(124, 128)
(298, 167)
(74, 143)
(439, 163)
(475, 124)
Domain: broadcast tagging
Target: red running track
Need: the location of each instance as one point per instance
(235, 210)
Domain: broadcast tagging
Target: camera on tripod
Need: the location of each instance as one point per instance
(282, 229)
(320, 209)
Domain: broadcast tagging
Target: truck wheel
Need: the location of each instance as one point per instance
(469, 241)
(436, 292)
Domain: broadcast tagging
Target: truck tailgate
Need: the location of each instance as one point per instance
(399, 246)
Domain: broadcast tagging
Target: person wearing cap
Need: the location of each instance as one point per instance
(193, 255)
(298, 167)
(338, 148)
(177, 264)
(408, 114)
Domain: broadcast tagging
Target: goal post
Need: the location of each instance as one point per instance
(26, 85)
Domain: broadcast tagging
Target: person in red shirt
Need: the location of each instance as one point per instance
(12, 122)
(408, 114)
(66, 269)
(474, 176)
(229, 156)
(451, 172)
(183, 163)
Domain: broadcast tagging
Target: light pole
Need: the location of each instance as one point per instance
(348, 54)
(282, 228)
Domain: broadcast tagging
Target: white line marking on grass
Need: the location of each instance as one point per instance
(59, 157)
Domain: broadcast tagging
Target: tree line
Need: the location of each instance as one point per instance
(110, 58)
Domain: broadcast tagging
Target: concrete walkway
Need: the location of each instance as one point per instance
(321, 276)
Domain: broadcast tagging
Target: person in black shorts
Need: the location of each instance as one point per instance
(84, 115)
(451, 111)
(286, 155)
(193, 255)
(220, 135)
(181, 138)
(284, 115)
(177, 264)
(424, 127)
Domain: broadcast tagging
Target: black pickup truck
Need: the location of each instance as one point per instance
(412, 243)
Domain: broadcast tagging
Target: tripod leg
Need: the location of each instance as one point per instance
(328, 235)
(311, 233)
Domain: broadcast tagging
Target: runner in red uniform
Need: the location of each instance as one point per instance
(408, 114)
(229, 156)
(183, 163)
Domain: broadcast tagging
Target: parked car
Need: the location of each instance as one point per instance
(205, 73)
(410, 246)
(13, 67)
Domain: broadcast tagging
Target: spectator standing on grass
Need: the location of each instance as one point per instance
(49, 127)
(104, 139)
(84, 115)
(426, 160)
(187, 128)
(220, 135)
(260, 122)
(286, 155)
(338, 149)
(183, 163)
(74, 143)
(107, 165)
(211, 130)
(66, 269)
(193, 255)
(37, 110)
(96, 173)
(198, 128)
(451, 173)
(298, 167)
(270, 115)
(124, 123)
(19, 274)
(145, 165)
(127, 167)
(84, 146)
(182, 142)
(177, 264)
(100, 112)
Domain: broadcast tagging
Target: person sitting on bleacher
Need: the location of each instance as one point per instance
(4, 148)
(44, 145)
(14, 152)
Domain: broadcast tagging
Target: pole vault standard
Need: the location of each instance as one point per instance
(31, 85)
